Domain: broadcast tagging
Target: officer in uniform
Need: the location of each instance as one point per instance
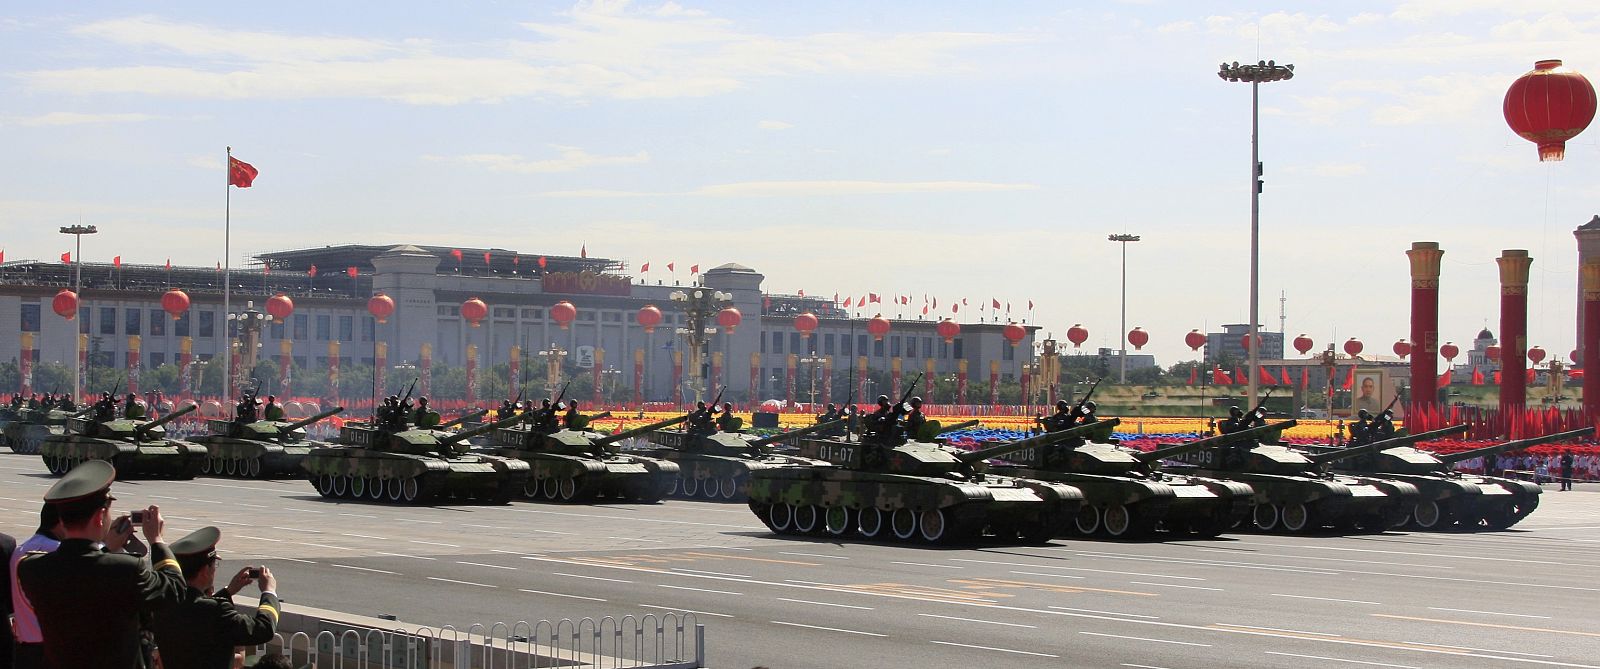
(8, 546)
(89, 602)
(29, 642)
(204, 631)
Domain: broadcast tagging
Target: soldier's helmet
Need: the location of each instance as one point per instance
(422, 401)
(1061, 405)
(700, 405)
(883, 400)
(727, 407)
(545, 403)
(1364, 414)
(1388, 414)
(831, 407)
(271, 399)
(572, 405)
(916, 402)
(1088, 406)
(1235, 412)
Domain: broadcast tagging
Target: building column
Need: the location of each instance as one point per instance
(1589, 348)
(1514, 265)
(1588, 236)
(1424, 323)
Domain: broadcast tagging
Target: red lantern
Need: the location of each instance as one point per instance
(1402, 348)
(1195, 340)
(1536, 354)
(649, 317)
(729, 318)
(1492, 354)
(280, 307)
(1014, 333)
(563, 313)
(806, 323)
(1353, 347)
(381, 307)
(878, 326)
(65, 304)
(1303, 344)
(1077, 335)
(175, 302)
(1574, 356)
(1138, 338)
(474, 310)
(1449, 351)
(1548, 106)
(948, 329)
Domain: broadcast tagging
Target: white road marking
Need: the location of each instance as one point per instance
(414, 557)
(1175, 585)
(675, 609)
(1455, 557)
(448, 580)
(549, 532)
(1034, 573)
(289, 508)
(296, 529)
(277, 557)
(639, 519)
(1328, 599)
(1485, 650)
(433, 543)
(1142, 666)
(491, 566)
(714, 592)
(1099, 571)
(1279, 629)
(206, 501)
(419, 520)
(1329, 559)
(347, 566)
(829, 629)
(999, 650)
(246, 536)
(1108, 613)
(842, 606)
(337, 548)
(1340, 659)
(253, 506)
(558, 594)
(365, 536)
(485, 527)
(975, 620)
(163, 497)
(1487, 613)
(713, 573)
(356, 515)
(924, 564)
(592, 578)
(830, 557)
(653, 541)
(1294, 569)
(1140, 638)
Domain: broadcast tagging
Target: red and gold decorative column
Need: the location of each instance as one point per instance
(133, 364)
(472, 374)
(515, 382)
(285, 364)
(789, 363)
(755, 378)
(677, 378)
(1589, 348)
(25, 364)
(599, 379)
(894, 378)
(333, 372)
(638, 376)
(1027, 383)
(927, 380)
(425, 362)
(961, 381)
(1424, 323)
(380, 376)
(994, 382)
(186, 368)
(1514, 266)
(716, 372)
(235, 369)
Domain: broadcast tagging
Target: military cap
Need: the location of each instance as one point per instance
(201, 543)
(89, 479)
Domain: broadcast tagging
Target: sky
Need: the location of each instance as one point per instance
(947, 149)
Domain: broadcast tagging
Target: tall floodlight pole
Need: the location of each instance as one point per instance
(1265, 71)
(1124, 238)
(77, 232)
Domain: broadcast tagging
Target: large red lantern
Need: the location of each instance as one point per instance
(1492, 354)
(878, 326)
(1353, 347)
(563, 313)
(175, 302)
(1014, 333)
(1449, 351)
(65, 304)
(1195, 340)
(1077, 335)
(1138, 338)
(649, 317)
(1548, 106)
(1303, 344)
(474, 310)
(1402, 348)
(1536, 354)
(729, 318)
(280, 307)
(948, 329)
(381, 307)
(806, 324)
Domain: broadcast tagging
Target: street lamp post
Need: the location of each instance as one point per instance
(553, 357)
(1124, 238)
(1265, 71)
(250, 321)
(610, 374)
(77, 232)
(699, 306)
(815, 361)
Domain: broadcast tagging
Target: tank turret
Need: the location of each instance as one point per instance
(929, 459)
(1384, 445)
(1451, 458)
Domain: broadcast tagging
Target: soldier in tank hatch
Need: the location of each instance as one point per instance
(914, 419)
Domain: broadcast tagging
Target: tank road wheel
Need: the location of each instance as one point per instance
(935, 528)
(691, 486)
(324, 485)
(340, 485)
(410, 490)
(1501, 517)
(871, 523)
(1119, 521)
(569, 489)
(1265, 516)
(836, 520)
(1298, 517)
(392, 489)
(375, 487)
(730, 487)
(781, 517)
(711, 488)
(255, 468)
(1088, 519)
(358, 487)
(904, 523)
(550, 488)
(806, 517)
(530, 488)
(1427, 514)
(205, 465)
(672, 485)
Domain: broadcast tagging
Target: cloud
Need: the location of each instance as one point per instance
(571, 159)
(810, 188)
(75, 118)
(1424, 10)
(196, 40)
(774, 125)
(1434, 99)
(1339, 169)
(1323, 109)
(1176, 27)
(939, 152)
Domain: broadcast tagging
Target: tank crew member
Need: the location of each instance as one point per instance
(571, 419)
(882, 424)
(699, 422)
(33, 401)
(726, 421)
(203, 631)
(830, 414)
(1060, 420)
(422, 416)
(131, 408)
(271, 410)
(89, 602)
(1383, 426)
(544, 418)
(505, 411)
(246, 410)
(914, 419)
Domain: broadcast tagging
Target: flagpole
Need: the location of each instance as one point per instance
(227, 264)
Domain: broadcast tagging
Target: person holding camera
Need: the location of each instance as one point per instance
(89, 601)
(205, 630)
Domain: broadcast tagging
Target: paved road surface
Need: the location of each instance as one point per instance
(1510, 599)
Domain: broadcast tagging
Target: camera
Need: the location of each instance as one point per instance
(253, 572)
(136, 516)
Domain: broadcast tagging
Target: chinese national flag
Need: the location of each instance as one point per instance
(240, 173)
(583, 251)
(312, 271)
(351, 271)
(873, 297)
(169, 264)
(66, 257)
(456, 253)
(542, 262)
(1350, 378)
(694, 269)
(995, 302)
(802, 292)
(1030, 305)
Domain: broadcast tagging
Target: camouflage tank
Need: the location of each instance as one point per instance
(1294, 494)
(261, 449)
(1126, 495)
(576, 466)
(1449, 498)
(27, 429)
(718, 465)
(916, 490)
(134, 446)
(406, 464)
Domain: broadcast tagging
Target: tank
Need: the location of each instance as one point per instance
(262, 449)
(413, 465)
(26, 429)
(717, 466)
(577, 466)
(1295, 494)
(134, 446)
(916, 491)
(1126, 494)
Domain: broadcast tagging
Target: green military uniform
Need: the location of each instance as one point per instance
(88, 601)
(203, 631)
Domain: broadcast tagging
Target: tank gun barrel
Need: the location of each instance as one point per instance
(486, 427)
(307, 421)
(599, 416)
(462, 419)
(1449, 458)
(652, 427)
(141, 430)
(785, 436)
(972, 457)
(1216, 440)
(1386, 444)
(958, 426)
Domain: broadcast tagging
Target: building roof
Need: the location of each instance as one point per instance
(1485, 334)
(499, 261)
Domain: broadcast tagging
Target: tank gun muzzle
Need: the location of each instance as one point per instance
(307, 421)
(1450, 458)
(1386, 444)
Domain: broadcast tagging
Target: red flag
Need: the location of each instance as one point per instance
(1266, 377)
(766, 302)
(542, 262)
(456, 253)
(1497, 377)
(1238, 375)
(116, 261)
(1350, 378)
(169, 264)
(66, 257)
(694, 269)
(219, 265)
(2, 255)
(873, 297)
(802, 292)
(488, 259)
(835, 298)
(351, 271)
(1445, 378)
(670, 267)
(1030, 305)
(1477, 376)
(1305, 377)
(1220, 377)
(240, 173)
(311, 272)
(1530, 376)
(936, 302)
(995, 302)
(517, 260)
(644, 268)
(924, 310)
(265, 268)
(963, 301)
(955, 308)
(1284, 377)
(583, 252)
